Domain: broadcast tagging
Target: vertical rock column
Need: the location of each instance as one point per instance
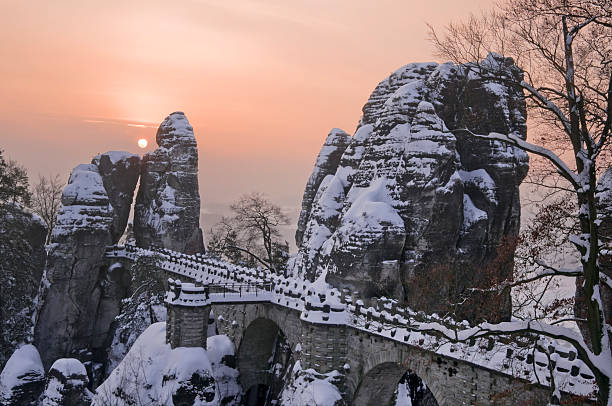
(74, 265)
(167, 211)
(82, 297)
(326, 164)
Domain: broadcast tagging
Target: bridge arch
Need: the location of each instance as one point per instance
(255, 352)
(378, 375)
(263, 357)
(379, 384)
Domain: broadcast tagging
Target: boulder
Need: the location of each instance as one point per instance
(167, 211)
(180, 376)
(67, 384)
(23, 378)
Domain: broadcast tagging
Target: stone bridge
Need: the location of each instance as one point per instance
(371, 346)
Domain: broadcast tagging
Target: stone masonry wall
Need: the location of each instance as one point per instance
(376, 363)
(186, 326)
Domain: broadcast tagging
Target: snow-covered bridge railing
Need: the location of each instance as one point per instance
(319, 303)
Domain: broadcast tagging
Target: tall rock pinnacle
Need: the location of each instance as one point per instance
(167, 211)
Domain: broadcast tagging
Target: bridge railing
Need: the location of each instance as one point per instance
(231, 283)
(240, 289)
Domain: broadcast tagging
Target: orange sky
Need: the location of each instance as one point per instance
(261, 82)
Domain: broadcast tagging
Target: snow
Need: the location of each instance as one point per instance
(403, 397)
(179, 122)
(307, 387)
(152, 370)
(85, 186)
(69, 367)
(85, 203)
(175, 127)
(24, 362)
(406, 97)
(471, 213)
(482, 180)
(372, 208)
(604, 189)
(186, 294)
(70, 376)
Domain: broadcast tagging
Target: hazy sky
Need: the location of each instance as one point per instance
(262, 82)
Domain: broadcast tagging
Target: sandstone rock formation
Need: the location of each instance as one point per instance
(167, 211)
(83, 294)
(75, 265)
(119, 171)
(22, 259)
(326, 164)
(410, 199)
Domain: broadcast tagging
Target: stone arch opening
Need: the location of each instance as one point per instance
(390, 383)
(264, 356)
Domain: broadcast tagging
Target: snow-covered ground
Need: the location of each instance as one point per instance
(151, 370)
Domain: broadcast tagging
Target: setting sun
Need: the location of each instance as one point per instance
(142, 143)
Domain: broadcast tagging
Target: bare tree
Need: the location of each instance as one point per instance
(253, 230)
(565, 50)
(47, 199)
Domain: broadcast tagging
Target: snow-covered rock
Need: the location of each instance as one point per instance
(167, 211)
(329, 157)
(23, 378)
(74, 270)
(307, 387)
(119, 171)
(411, 191)
(153, 371)
(66, 384)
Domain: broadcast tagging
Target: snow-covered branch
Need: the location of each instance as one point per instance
(513, 139)
(599, 364)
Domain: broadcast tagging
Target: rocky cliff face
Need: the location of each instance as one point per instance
(22, 259)
(167, 211)
(326, 164)
(412, 204)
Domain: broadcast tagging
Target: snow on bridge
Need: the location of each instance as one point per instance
(211, 281)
